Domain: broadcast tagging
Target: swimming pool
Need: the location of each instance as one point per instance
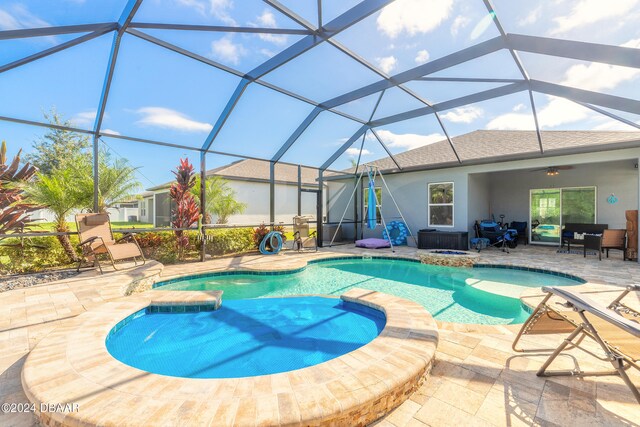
(244, 338)
(460, 295)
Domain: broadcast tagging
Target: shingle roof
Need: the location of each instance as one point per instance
(487, 146)
(258, 171)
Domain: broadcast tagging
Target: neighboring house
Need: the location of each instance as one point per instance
(250, 181)
(583, 176)
(122, 212)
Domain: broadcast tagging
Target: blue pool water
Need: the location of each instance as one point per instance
(245, 337)
(460, 295)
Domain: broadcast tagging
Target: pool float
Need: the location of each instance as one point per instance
(396, 232)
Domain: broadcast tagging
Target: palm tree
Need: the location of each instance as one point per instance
(117, 181)
(220, 199)
(58, 194)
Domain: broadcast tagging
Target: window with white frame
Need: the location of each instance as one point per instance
(440, 211)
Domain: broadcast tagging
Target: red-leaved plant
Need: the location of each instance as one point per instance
(14, 213)
(186, 212)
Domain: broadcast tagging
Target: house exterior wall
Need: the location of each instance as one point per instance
(256, 196)
(510, 190)
(503, 188)
(116, 215)
(146, 210)
(479, 200)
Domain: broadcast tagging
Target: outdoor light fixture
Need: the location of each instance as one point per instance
(552, 171)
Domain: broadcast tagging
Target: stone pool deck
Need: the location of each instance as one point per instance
(477, 379)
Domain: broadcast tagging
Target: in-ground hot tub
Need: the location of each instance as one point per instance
(72, 364)
(244, 338)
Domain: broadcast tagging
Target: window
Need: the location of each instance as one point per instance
(378, 191)
(441, 204)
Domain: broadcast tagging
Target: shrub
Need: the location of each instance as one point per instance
(37, 254)
(260, 233)
(42, 253)
(232, 240)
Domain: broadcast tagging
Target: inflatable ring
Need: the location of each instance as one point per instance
(396, 232)
(274, 239)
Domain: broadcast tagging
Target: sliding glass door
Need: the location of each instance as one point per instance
(545, 216)
(551, 208)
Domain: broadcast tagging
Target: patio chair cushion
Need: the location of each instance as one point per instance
(123, 251)
(373, 243)
(94, 220)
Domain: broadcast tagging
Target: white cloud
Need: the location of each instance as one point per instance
(559, 111)
(613, 125)
(459, 23)
(170, 119)
(219, 9)
(226, 50)
(520, 107)
(387, 64)
(84, 118)
(354, 152)
(413, 16)
(268, 20)
(267, 52)
(111, 131)
(464, 114)
(587, 12)
(408, 141)
(531, 18)
(422, 57)
(598, 76)
(512, 121)
(17, 16)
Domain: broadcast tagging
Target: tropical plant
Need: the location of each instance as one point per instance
(57, 147)
(57, 193)
(186, 212)
(260, 233)
(14, 212)
(220, 199)
(117, 181)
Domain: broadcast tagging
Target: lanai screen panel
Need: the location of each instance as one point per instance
(306, 82)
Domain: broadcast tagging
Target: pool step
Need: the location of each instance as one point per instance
(497, 288)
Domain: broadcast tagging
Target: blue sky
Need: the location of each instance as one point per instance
(160, 95)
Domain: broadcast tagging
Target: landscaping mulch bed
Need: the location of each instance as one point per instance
(17, 281)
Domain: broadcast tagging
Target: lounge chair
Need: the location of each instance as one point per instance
(615, 328)
(96, 238)
(302, 236)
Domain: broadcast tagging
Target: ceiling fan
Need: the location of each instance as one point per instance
(552, 170)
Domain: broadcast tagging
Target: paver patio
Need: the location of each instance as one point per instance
(477, 379)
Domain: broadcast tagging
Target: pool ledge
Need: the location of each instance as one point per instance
(72, 365)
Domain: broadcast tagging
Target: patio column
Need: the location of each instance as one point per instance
(96, 177)
(203, 203)
(320, 202)
(272, 193)
(299, 190)
(638, 163)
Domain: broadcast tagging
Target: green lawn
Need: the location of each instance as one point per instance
(49, 226)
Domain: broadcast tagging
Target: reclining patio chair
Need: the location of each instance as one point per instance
(302, 236)
(96, 239)
(615, 328)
